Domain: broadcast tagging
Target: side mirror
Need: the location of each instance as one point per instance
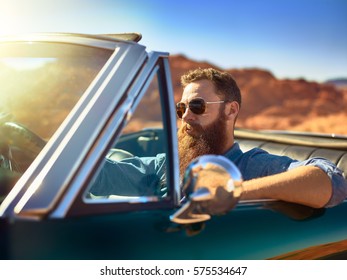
(212, 185)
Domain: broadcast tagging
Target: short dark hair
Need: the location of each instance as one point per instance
(223, 82)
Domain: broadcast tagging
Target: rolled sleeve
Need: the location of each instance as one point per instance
(338, 182)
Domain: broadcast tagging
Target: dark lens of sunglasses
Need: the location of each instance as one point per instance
(180, 109)
(197, 106)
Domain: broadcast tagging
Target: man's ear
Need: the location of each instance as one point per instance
(232, 110)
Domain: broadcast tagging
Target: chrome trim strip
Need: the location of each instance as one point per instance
(173, 133)
(68, 38)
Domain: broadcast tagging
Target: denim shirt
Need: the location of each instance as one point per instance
(257, 163)
(136, 176)
(144, 176)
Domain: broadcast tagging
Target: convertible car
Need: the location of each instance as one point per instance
(71, 102)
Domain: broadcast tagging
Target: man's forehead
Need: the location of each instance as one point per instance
(203, 88)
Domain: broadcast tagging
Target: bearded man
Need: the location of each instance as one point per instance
(315, 182)
(207, 132)
(208, 110)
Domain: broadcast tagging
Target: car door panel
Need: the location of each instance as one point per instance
(244, 233)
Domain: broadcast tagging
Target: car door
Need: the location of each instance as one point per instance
(250, 231)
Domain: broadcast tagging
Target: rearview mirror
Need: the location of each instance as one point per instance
(212, 185)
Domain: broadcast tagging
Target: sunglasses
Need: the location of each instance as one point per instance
(196, 105)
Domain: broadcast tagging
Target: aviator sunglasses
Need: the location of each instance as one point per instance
(196, 105)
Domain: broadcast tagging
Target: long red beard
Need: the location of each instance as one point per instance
(211, 140)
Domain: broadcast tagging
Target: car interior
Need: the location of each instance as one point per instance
(299, 147)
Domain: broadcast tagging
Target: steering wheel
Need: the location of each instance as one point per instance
(18, 148)
(118, 154)
(18, 137)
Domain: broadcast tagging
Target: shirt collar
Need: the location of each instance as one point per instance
(234, 152)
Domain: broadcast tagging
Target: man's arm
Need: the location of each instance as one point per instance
(307, 185)
(131, 177)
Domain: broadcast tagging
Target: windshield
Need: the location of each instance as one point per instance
(39, 85)
(41, 82)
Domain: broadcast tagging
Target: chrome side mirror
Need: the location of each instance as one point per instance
(212, 185)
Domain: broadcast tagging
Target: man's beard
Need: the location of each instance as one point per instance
(210, 140)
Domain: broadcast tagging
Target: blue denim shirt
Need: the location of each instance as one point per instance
(257, 163)
(144, 176)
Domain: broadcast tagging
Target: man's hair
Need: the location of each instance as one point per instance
(223, 82)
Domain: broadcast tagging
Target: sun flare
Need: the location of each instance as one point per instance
(14, 16)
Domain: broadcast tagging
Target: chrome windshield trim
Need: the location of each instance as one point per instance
(172, 134)
(97, 41)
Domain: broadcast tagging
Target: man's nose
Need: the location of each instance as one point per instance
(188, 115)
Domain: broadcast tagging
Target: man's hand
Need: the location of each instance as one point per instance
(223, 194)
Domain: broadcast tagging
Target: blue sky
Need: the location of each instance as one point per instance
(291, 38)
